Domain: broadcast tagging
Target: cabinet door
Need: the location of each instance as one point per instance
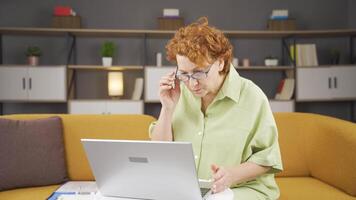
(282, 106)
(13, 83)
(87, 107)
(47, 83)
(314, 84)
(152, 77)
(344, 82)
(124, 107)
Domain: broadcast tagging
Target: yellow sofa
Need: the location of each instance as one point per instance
(318, 152)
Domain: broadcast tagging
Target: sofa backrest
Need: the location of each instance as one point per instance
(291, 136)
(318, 146)
(311, 145)
(76, 127)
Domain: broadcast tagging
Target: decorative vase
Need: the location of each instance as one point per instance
(107, 61)
(33, 60)
(271, 62)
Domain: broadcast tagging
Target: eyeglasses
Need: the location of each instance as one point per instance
(185, 77)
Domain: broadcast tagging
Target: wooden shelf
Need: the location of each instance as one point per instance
(282, 100)
(326, 66)
(325, 100)
(24, 65)
(264, 68)
(86, 32)
(167, 33)
(104, 100)
(297, 33)
(99, 67)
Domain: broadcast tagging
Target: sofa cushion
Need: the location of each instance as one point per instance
(29, 193)
(76, 127)
(31, 153)
(296, 188)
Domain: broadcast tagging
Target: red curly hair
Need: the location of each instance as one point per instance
(200, 43)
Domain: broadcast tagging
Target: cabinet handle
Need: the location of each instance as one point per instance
(335, 82)
(30, 83)
(329, 82)
(23, 83)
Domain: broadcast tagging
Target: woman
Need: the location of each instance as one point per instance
(227, 118)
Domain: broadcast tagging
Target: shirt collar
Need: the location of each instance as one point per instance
(231, 86)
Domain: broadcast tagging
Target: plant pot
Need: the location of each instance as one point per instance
(271, 62)
(107, 61)
(33, 60)
(335, 60)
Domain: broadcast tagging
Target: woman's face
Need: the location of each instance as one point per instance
(201, 80)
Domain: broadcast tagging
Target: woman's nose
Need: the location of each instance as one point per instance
(193, 82)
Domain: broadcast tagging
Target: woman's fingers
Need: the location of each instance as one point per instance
(219, 186)
(166, 87)
(167, 81)
(164, 83)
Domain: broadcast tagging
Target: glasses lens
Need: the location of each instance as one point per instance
(183, 77)
(199, 75)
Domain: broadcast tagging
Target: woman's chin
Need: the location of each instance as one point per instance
(199, 93)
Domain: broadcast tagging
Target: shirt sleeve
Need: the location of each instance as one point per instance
(150, 129)
(264, 146)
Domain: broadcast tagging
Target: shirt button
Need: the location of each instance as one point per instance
(200, 133)
(196, 157)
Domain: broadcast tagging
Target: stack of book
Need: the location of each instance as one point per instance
(279, 15)
(279, 20)
(306, 54)
(170, 20)
(285, 89)
(138, 89)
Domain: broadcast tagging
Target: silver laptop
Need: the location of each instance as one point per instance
(144, 169)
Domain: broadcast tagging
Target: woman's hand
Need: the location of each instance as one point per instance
(169, 91)
(222, 177)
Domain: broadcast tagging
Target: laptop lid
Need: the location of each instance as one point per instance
(143, 169)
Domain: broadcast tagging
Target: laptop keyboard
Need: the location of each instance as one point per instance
(203, 191)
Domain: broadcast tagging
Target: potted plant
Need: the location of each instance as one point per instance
(335, 56)
(271, 61)
(107, 53)
(33, 53)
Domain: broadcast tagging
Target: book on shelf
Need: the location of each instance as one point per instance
(138, 89)
(285, 89)
(279, 14)
(305, 54)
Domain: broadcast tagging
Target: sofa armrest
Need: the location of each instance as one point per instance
(331, 150)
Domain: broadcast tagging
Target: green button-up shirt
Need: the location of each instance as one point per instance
(238, 126)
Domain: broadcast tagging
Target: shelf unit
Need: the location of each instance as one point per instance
(286, 37)
(101, 68)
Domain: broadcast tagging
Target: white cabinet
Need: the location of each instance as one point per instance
(344, 82)
(152, 77)
(47, 83)
(87, 107)
(13, 83)
(282, 106)
(328, 83)
(105, 107)
(313, 83)
(41, 83)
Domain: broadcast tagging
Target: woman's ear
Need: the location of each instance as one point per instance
(221, 65)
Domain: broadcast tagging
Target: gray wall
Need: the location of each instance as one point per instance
(142, 14)
(352, 24)
(351, 13)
